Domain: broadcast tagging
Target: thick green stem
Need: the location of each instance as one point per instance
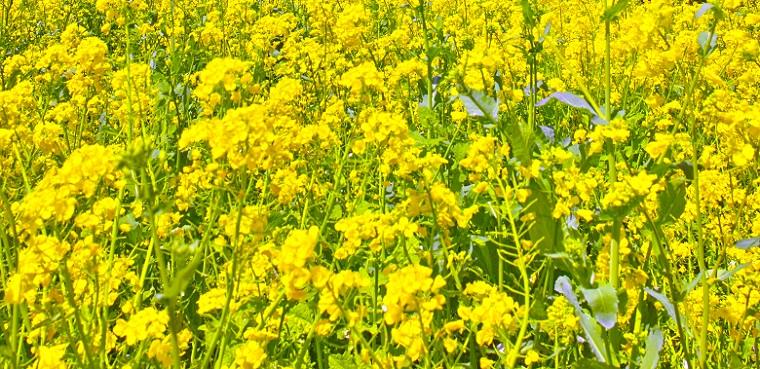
(428, 59)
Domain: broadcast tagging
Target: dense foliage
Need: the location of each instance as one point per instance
(379, 184)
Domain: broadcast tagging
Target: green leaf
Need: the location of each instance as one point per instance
(545, 229)
(479, 104)
(529, 15)
(341, 362)
(460, 150)
(589, 326)
(612, 12)
(604, 304)
(672, 202)
(6, 352)
(300, 315)
(709, 7)
(687, 168)
(669, 307)
(591, 364)
(424, 141)
(653, 347)
(702, 10)
(427, 116)
(336, 212)
(723, 274)
(707, 41)
(748, 243)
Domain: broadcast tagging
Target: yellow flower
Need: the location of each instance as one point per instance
(480, 156)
(491, 310)
(486, 363)
(454, 326)
(249, 355)
(363, 77)
(450, 345)
(628, 187)
(147, 323)
(133, 95)
(212, 300)
(661, 143)
(409, 336)
(287, 184)
(15, 288)
(409, 289)
(561, 320)
(336, 287)
(532, 357)
(220, 76)
(744, 155)
(51, 357)
(161, 349)
(297, 250)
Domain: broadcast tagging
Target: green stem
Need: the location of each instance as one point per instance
(69, 295)
(615, 244)
(615, 254)
(428, 59)
(13, 339)
(27, 184)
(607, 68)
(699, 241)
(663, 254)
(171, 304)
(224, 320)
(700, 254)
(522, 267)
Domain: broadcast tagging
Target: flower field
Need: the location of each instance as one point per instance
(242, 184)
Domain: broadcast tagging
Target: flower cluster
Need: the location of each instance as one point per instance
(379, 184)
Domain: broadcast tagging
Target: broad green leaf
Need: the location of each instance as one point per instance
(590, 328)
(545, 230)
(707, 42)
(529, 15)
(748, 243)
(300, 315)
(424, 141)
(478, 104)
(604, 304)
(707, 7)
(653, 347)
(664, 301)
(687, 168)
(612, 12)
(672, 202)
(591, 364)
(341, 362)
(702, 10)
(427, 117)
(723, 274)
(569, 99)
(563, 286)
(336, 213)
